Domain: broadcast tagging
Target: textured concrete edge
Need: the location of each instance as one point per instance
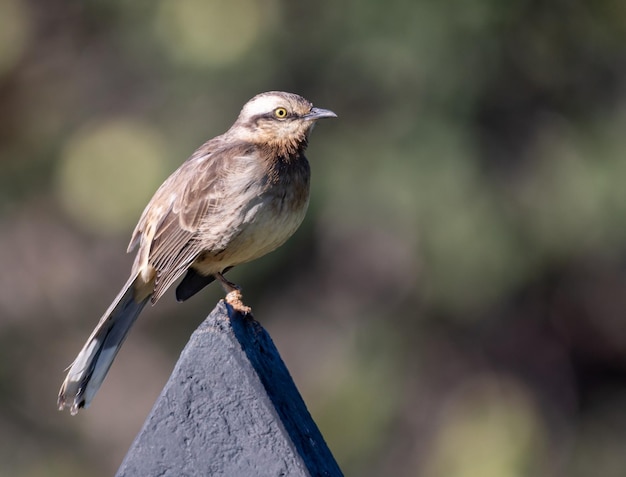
(246, 352)
(285, 397)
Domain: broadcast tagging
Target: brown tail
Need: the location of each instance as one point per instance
(90, 367)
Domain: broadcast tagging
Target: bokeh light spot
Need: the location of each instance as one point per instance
(108, 172)
(15, 32)
(490, 428)
(209, 33)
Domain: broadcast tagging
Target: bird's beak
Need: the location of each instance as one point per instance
(319, 113)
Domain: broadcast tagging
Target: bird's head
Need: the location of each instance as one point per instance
(279, 120)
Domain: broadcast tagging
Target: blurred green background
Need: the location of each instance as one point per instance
(453, 305)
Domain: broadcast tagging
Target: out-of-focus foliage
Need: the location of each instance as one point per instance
(88, 173)
(454, 303)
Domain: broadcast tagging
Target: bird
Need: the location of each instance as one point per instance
(238, 197)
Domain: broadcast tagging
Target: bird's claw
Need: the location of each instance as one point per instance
(235, 299)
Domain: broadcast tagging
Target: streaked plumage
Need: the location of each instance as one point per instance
(238, 197)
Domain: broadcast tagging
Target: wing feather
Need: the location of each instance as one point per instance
(193, 196)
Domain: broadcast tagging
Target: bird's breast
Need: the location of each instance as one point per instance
(270, 211)
(278, 212)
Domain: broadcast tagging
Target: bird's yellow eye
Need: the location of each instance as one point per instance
(280, 113)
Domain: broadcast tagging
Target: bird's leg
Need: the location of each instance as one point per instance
(228, 286)
(233, 295)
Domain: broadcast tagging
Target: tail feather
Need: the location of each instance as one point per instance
(86, 373)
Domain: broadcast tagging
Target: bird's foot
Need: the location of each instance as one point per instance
(235, 299)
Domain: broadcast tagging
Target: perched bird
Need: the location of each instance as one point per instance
(238, 197)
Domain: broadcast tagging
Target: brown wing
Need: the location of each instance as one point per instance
(167, 232)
